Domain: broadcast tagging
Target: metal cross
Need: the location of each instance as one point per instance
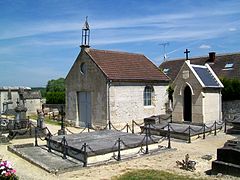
(187, 52)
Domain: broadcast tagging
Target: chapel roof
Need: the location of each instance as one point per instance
(206, 76)
(224, 65)
(128, 67)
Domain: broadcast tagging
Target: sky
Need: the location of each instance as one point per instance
(40, 39)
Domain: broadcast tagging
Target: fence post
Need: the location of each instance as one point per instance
(204, 131)
(64, 147)
(88, 127)
(85, 154)
(30, 128)
(169, 137)
(189, 134)
(127, 127)
(146, 139)
(171, 118)
(225, 126)
(215, 128)
(48, 142)
(133, 126)
(36, 134)
(119, 149)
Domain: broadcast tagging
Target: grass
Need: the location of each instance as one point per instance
(47, 120)
(152, 175)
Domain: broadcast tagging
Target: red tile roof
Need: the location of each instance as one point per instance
(123, 66)
(218, 66)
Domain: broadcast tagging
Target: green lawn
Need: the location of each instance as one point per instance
(47, 120)
(152, 175)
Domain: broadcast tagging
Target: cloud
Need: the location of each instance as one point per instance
(205, 46)
(232, 29)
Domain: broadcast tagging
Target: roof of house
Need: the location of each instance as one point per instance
(225, 65)
(206, 76)
(123, 66)
(32, 95)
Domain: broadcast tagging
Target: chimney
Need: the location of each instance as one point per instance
(212, 56)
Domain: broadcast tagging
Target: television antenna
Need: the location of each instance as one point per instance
(164, 50)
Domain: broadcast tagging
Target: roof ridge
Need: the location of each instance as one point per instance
(204, 56)
(112, 51)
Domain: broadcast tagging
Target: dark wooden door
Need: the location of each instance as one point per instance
(187, 105)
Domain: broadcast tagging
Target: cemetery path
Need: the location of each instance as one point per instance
(163, 161)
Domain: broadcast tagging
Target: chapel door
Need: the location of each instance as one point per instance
(84, 108)
(187, 104)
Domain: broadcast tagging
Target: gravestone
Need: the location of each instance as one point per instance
(228, 158)
(40, 120)
(236, 125)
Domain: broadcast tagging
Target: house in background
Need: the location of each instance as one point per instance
(33, 101)
(110, 85)
(224, 65)
(197, 95)
(9, 96)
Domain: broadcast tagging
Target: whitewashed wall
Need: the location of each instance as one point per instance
(127, 103)
(212, 107)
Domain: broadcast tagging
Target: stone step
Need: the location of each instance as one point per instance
(225, 168)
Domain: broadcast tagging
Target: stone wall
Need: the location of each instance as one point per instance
(231, 106)
(92, 81)
(127, 103)
(32, 105)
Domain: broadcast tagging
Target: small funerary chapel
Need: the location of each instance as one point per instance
(114, 86)
(197, 95)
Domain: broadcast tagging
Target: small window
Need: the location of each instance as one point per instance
(83, 68)
(166, 70)
(228, 66)
(148, 95)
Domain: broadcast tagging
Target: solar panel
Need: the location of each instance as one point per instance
(206, 76)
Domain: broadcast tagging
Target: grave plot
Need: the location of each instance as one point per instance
(88, 148)
(184, 131)
(84, 145)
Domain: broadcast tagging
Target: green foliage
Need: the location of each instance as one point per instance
(170, 91)
(56, 85)
(231, 90)
(55, 91)
(47, 120)
(55, 98)
(152, 175)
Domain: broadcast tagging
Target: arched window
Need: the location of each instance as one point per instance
(147, 95)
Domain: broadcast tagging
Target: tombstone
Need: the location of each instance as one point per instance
(20, 112)
(40, 120)
(228, 158)
(236, 126)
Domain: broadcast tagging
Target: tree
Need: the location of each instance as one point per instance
(231, 90)
(56, 85)
(55, 91)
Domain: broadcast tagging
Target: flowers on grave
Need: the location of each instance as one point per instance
(6, 171)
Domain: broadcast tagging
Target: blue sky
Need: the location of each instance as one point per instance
(39, 39)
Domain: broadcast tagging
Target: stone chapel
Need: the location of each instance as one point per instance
(114, 86)
(197, 95)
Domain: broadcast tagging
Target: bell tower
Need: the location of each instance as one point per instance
(85, 34)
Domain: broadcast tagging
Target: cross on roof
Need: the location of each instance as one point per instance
(187, 52)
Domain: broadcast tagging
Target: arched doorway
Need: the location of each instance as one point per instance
(187, 104)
